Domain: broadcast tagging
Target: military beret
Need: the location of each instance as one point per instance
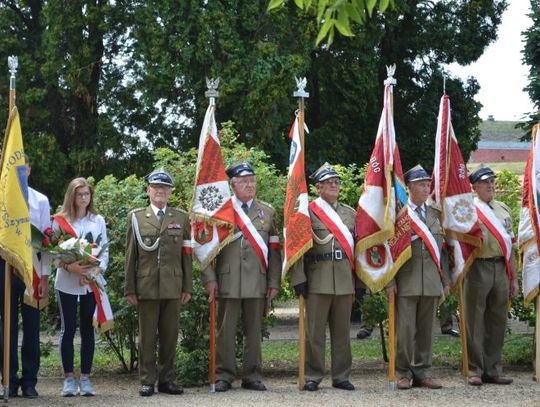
(481, 174)
(241, 169)
(324, 172)
(159, 176)
(416, 173)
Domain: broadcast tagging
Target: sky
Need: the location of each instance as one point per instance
(500, 71)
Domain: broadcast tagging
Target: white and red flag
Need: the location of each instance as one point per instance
(297, 224)
(452, 194)
(383, 234)
(529, 223)
(212, 214)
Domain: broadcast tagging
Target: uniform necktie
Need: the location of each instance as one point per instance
(420, 213)
(160, 215)
(245, 207)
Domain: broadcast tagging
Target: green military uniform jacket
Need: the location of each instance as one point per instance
(420, 275)
(163, 273)
(238, 271)
(324, 276)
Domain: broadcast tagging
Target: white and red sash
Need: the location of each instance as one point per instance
(251, 233)
(329, 217)
(421, 229)
(103, 315)
(496, 228)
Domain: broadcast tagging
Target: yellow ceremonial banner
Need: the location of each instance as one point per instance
(15, 234)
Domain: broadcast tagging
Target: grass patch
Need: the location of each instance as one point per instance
(514, 167)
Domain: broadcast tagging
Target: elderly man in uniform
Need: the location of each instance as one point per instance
(418, 285)
(158, 281)
(327, 281)
(40, 217)
(246, 275)
(489, 283)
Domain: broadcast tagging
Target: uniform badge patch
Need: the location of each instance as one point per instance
(376, 256)
(203, 232)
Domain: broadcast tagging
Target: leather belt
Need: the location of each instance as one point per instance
(335, 255)
(491, 259)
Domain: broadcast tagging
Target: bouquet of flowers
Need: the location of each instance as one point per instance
(65, 247)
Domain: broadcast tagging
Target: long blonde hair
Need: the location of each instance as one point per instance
(69, 209)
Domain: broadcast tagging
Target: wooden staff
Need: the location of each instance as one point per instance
(301, 344)
(463, 331)
(301, 94)
(391, 341)
(212, 368)
(13, 64)
(537, 339)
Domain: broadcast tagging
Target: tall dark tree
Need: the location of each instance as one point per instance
(531, 57)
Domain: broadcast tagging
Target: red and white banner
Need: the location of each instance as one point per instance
(297, 224)
(383, 231)
(529, 223)
(453, 196)
(327, 215)
(212, 212)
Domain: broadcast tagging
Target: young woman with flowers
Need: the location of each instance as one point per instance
(75, 283)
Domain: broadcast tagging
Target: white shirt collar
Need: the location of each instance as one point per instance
(156, 209)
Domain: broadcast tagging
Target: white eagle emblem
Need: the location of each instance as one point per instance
(463, 211)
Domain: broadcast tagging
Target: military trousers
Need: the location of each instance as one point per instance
(158, 323)
(336, 311)
(229, 311)
(414, 335)
(486, 308)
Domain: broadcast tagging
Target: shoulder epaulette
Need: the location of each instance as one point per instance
(347, 206)
(179, 210)
(265, 204)
(505, 207)
(137, 210)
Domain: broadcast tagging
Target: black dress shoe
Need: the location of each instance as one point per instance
(363, 333)
(30, 392)
(170, 388)
(13, 390)
(146, 390)
(496, 379)
(344, 385)
(256, 385)
(311, 386)
(222, 385)
(451, 332)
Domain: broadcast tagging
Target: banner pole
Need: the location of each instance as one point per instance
(301, 94)
(537, 340)
(212, 373)
(13, 65)
(463, 331)
(392, 341)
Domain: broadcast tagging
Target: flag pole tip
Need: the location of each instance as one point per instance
(390, 71)
(301, 88)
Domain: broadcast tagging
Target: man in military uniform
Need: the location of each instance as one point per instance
(489, 283)
(246, 275)
(418, 285)
(326, 279)
(158, 281)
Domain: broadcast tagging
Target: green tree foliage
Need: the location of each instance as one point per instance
(336, 15)
(103, 84)
(531, 57)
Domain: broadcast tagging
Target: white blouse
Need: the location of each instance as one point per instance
(69, 283)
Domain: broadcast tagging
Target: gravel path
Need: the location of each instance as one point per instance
(371, 384)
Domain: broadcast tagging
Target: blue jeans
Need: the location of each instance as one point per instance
(67, 304)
